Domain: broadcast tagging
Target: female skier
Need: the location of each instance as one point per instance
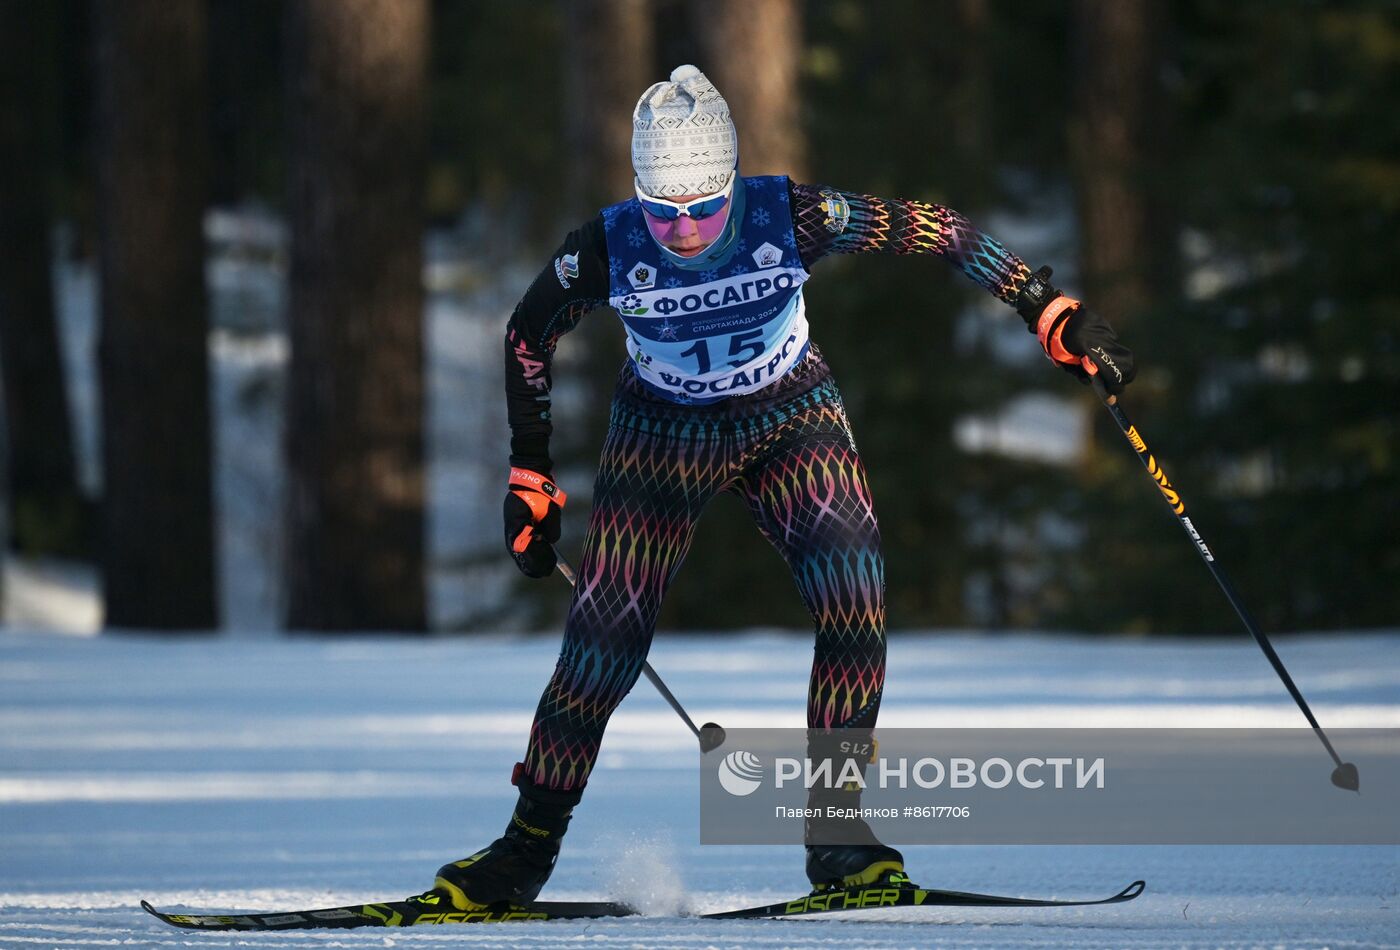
(722, 391)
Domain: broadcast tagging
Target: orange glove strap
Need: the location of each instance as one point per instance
(1048, 331)
(535, 485)
(538, 492)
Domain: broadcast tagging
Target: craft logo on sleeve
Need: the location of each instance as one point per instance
(566, 268)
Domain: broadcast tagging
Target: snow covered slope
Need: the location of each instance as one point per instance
(258, 774)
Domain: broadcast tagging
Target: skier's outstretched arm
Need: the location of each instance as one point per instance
(572, 284)
(830, 221)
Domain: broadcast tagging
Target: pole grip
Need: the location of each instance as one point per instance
(1097, 382)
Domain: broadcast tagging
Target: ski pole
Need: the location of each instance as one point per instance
(710, 735)
(1345, 774)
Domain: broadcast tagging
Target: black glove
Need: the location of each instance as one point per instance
(532, 512)
(1076, 339)
(1091, 338)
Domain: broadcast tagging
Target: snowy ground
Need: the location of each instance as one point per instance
(254, 774)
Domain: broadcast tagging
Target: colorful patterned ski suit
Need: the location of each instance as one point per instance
(688, 422)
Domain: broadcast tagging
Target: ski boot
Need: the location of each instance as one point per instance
(838, 866)
(513, 868)
(842, 851)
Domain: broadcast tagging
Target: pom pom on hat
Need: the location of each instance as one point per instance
(683, 140)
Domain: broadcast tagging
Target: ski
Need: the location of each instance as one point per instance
(427, 909)
(865, 898)
(413, 912)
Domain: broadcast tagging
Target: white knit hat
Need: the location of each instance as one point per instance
(683, 141)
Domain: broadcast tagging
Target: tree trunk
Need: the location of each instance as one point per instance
(973, 104)
(1116, 131)
(1111, 140)
(609, 49)
(753, 52)
(609, 45)
(45, 505)
(355, 402)
(158, 545)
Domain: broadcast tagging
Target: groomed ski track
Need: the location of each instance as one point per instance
(253, 774)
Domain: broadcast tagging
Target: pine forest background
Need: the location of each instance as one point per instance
(358, 187)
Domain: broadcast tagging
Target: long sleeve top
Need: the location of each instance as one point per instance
(825, 222)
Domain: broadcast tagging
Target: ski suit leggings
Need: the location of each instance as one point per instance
(788, 452)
